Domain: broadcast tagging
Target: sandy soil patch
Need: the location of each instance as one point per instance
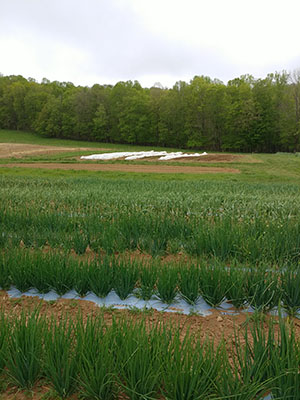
(18, 150)
(159, 169)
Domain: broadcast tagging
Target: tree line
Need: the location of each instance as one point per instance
(246, 115)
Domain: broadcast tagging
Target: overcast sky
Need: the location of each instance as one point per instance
(106, 41)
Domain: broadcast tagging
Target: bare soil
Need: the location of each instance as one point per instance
(215, 326)
(212, 158)
(159, 169)
(19, 150)
(220, 158)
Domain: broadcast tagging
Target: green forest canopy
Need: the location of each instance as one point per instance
(246, 115)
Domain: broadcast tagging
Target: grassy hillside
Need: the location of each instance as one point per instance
(8, 136)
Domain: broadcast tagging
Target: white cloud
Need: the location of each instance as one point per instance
(106, 41)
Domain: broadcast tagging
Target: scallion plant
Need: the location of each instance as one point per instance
(5, 279)
(125, 278)
(25, 350)
(148, 277)
(61, 356)
(140, 362)
(96, 367)
(213, 283)
(290, 285)
(101, 277)
(167, 283)
(263, 289)
(191, 369)
(189, 283)
(82, 280)
(236, 289)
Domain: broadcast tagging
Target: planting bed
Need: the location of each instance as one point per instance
(78, 349)
(126, 283)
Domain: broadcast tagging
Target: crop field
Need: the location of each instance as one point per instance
(231, 241)
(249, 223)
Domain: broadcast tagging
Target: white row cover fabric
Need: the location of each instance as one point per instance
(136, 155)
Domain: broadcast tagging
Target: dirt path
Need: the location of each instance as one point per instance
(19, 150)
(159, 169)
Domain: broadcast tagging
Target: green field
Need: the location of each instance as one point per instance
(214, 236)
(278, 168)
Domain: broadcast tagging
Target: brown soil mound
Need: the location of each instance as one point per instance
(209, 158)
(220, 158)
(159, 169)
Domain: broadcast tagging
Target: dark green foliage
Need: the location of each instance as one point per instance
(97, 366)
(61, 276)
(125, 278)
(80, 242)
(148, 361)
(213, 283)
(148, 277)
(4, 335)
(290, 285)
(20, 267)
(167, 283)
(61, 357)
(41, 271)
(237, 292)
(253, 359)
(5, 278)
(138, 355)
(191, 376)
(248, 223)
(25, 350)
(82, 278)
(101, 277)
(285, 363)
(231, 386)
(189, 283)
(247, 114)
(263, 289)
